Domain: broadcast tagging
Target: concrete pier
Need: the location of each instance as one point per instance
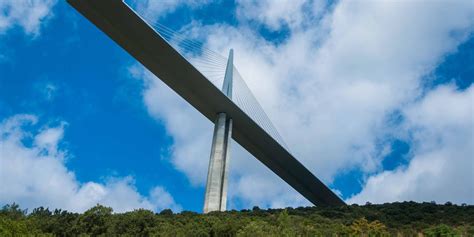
(216, 187)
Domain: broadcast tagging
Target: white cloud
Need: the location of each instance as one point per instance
(441, 127)
(49, 91)
(273, 14)
(294, 14)
(162, 199)
(329, 88)
(33, 173)
(27, 14)
(153, 10)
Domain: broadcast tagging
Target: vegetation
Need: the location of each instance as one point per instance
(395, 219)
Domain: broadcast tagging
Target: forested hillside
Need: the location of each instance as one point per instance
(402, 219)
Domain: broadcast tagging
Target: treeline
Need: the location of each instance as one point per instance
(391, 219)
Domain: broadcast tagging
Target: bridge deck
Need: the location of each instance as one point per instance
(131, 32)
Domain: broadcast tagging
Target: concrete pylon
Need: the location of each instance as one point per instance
(216, 187)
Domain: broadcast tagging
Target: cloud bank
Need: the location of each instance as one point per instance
(27, 14)
(440, 127)
(33, 173)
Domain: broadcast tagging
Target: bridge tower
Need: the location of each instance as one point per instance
(216, 186)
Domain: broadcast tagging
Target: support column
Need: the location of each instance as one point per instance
(216, 187)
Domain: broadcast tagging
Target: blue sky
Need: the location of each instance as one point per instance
(366, 112)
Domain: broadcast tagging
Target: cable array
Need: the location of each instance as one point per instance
(213, 66)
(243, 97)
(210, 63)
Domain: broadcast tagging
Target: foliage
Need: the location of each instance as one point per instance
(362, 227)
(10, 227)
(390, 219)
(441, 230)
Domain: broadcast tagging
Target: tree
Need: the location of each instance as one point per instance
(13, 211)
(135, 223)
(94, 221)
(404, 218)
(362, 227)
(441, 230)
(257, 229)
(284, 224)
(11, 227)
(166, 212)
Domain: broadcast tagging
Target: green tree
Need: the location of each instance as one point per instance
(10, 227)
(166, 229)
(362, 227)
(258, 229)
(135, 223)
(403, 219)
(95, 221)
(13, 211)
(166, 212)
(441, 231)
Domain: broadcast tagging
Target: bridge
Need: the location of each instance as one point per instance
(212, 84)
